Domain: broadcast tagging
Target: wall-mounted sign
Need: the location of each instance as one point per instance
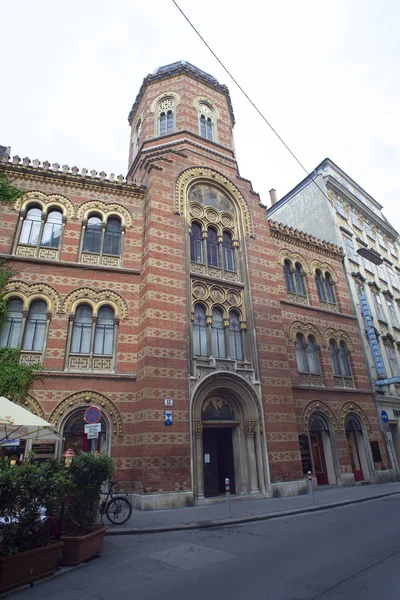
(387, 381)
(373, 340)
(207, 458)
(384, 416)
(92, 427)
(43, 448)
(168, 417)
(92, 414)
(168, 402)
(92, 431)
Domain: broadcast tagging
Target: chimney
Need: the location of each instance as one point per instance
(272, 195)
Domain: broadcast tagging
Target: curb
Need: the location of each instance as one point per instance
(249, 519)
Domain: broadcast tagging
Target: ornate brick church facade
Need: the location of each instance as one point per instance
(215, 342)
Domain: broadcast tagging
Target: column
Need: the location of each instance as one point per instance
(198, 466)
(249, 431)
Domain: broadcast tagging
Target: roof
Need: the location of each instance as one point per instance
(179, 68)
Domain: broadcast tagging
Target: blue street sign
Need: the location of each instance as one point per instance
(387, 381)
(168, 417)
(373, 340)
(384, 416)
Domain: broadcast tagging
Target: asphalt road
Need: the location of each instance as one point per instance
(352, 552)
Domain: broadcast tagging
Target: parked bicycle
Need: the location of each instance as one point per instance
(117, 509)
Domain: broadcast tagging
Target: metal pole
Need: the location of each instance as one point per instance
(228, 496)
(310, 487)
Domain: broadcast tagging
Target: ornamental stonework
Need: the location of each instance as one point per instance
(45, 201)
(34, 291)
(95, 296)
(218, 295)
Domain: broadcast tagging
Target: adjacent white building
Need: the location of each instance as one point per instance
(332, 206)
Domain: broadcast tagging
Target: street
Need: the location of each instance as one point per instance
(349, 552)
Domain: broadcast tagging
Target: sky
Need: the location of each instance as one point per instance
(326, 76)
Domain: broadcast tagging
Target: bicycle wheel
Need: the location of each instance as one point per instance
(118, 510)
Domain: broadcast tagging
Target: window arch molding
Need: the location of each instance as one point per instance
(96, 299)
(293, 257)
(338, 335)
(205, 175)
(305, 329)
(352, 409)
(165, 104)
(36, 291)
(106, 211)
(46, 201)
(323, 267)
(318, 407)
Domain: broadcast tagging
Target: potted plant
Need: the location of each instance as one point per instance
(26, 551)
(85, 538)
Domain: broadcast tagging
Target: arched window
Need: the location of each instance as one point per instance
(52, 230)
(82, 330)
(301, 356)
(325, 286)
(31, 226)
(104, 332)
(319, 280)
(212, 248)
(11, 331)
(218, 334)
(299, 279)
(35, 327)
(312, 355)
(344, 359)
(138, 131)
(307, 354)
(200, 345)
(166, 117)
(112, 237)
(329, 288)
(228, 252)
(206, 121)
(334, 352)
(93, 235)
(235, 337)
(196, 244)
(289, 279)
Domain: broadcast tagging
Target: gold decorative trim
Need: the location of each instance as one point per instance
(167, 94)
(323, 266)
(338, 335)
(96, 299)
(211, 296)
(353, 408)
(316, 406)
(86, 399)
(106, 211)
(46, 201)
(35, 291)
(306, 329)
(205, 100)
(33, 406)
(293, 257)
(211, 177)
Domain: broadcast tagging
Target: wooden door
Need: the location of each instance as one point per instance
(319, 458)
(352, 446)
(210, 462)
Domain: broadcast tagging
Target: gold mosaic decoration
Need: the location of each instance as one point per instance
(353, 408)
(46, 201)
(105, 210)
(86, 399)
(214, 295)
(294, 257)
(323, 267)
(211, 177)
(338, 335)
(316, 406)
(36, 291)
(96, 299)
(32, 405)
(306, 329)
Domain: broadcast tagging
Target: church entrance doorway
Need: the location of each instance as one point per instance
(218, 460)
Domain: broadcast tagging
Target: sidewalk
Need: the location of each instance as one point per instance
(247, 509)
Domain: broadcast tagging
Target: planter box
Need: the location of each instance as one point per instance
(78, 549)
(28, 567)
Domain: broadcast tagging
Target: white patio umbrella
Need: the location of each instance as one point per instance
(17, 423)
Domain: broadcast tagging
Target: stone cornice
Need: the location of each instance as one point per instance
(304, 240)
(97, 375)
(310, 388)
(70, 265)
(318, 309)
(119, 188)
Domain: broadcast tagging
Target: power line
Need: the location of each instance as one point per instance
(257, 109)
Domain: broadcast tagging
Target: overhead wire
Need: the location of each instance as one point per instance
(258, 110)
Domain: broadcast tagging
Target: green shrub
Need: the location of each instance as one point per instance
(87, 473)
